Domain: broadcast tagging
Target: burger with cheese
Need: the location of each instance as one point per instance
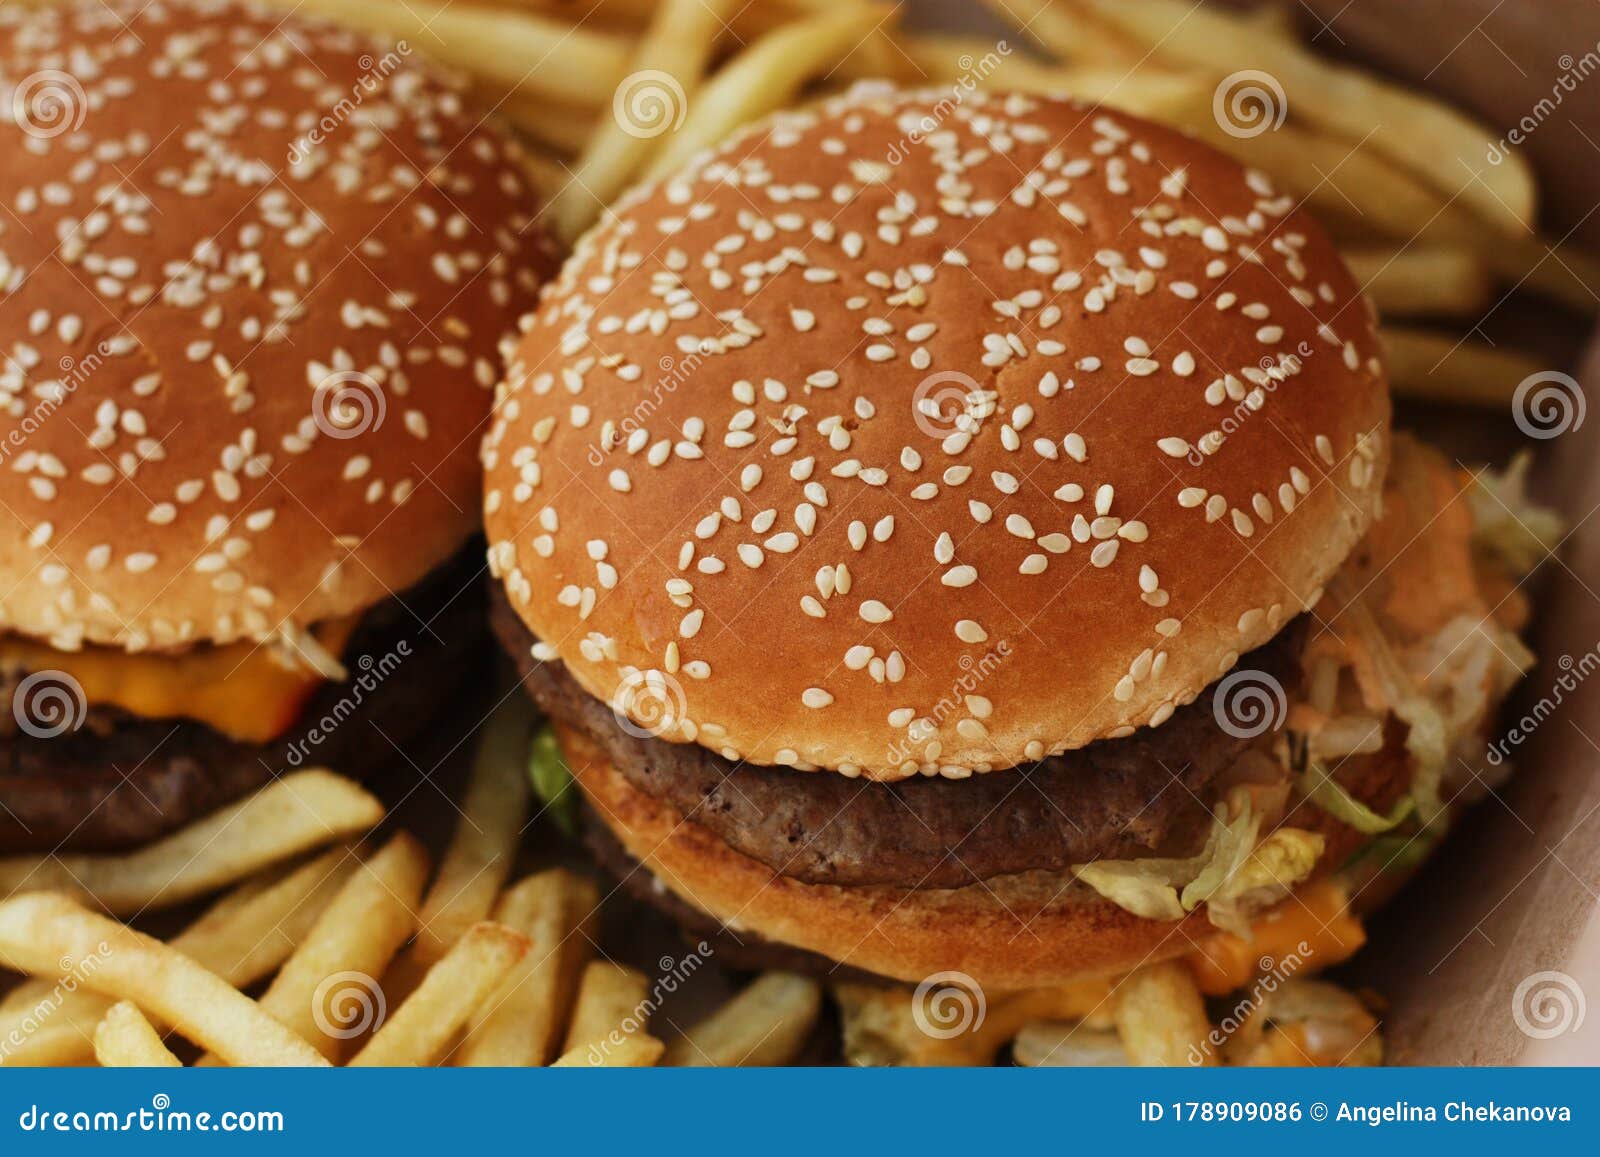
(255, 274)
(970, 538)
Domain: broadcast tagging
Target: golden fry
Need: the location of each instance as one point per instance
(612, 1004)
(1421, 280)
(292, 815)
(1435, 367)
(766, 1024)
(125, 1039)
(1161, 1017)
(637, 1051)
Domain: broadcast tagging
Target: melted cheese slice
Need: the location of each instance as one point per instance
(240, 689)
(1314, 926)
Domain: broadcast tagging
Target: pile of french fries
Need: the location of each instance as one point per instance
(329, 947)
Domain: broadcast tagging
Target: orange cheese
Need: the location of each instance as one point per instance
(240, 689)
(1314, 928)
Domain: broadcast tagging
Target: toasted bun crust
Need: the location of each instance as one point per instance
(255, 274)
(1018, 931)
(898, 438)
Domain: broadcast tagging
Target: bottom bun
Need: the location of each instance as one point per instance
(1010, 932)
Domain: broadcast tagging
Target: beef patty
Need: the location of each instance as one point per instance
(1148, 793)
(119, 780)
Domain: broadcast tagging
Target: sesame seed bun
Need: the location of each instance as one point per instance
(1020, 931)
(722, 489)
(255, 274)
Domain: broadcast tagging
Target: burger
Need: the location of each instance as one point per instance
(967, 537)
(255, 276)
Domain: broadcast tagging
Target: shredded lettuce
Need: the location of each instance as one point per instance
(1319, 786)
(552, 781)
(1237, 872)
(1509, 526)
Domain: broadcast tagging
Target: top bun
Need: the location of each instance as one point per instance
(907, 436)
(255, 274)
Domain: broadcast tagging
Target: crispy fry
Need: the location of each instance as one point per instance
(560, 128)
(1161, 1017)
(1416, 132)
(766, 1024)
(46, 933)
(1421, 280)
(242, 940)
(520, 1024)
(668, 65)
(531, 52)
(125, 1039)
(1067, 1044)
(764, 77)
(611, 1005)
(1439, 368)
(639, 1050)
(422, 1029)
(358, 934)
(292, 815)
(1071, 35)
(476, 864)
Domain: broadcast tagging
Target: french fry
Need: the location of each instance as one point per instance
(125, 1039)
(476, 864)
(531, 52)
(764, 77)
(1416, 132)
(766, 1024)
(1421, 280)
(242, 938)
(668, 65)
(423, 1027)
(1161, 1017)
(46, 933)
(1068, 33)
(639, 1050)
(611, 1005)
(562, 128)
(295, 814)
(1435, 367)
(1067, 1044)
(358, 934)
(521, 1023)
